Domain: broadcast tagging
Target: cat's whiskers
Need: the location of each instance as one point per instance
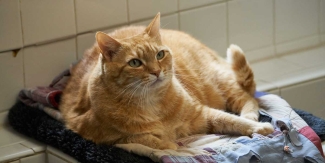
(133, 92)
(127, 87)
(141, 101)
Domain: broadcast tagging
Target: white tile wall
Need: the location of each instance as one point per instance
(166, 22)
(47, 20)
(302, 75)
(141, 9)
(298, 44)
(295, 19)
(84, 42)
(42, 63)
(14, 151)
(214, 23)
(54, 159)
(59, 153)
(186, 4)
(4, 118)
(308, 58)
(260, 54)
(10, 28)
(273, 67)
(97, 14)
(39, 158)
(251, 23)
(308, 96)
(12, 79)
(322, 20)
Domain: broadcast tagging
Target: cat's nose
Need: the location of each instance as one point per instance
(156, 73)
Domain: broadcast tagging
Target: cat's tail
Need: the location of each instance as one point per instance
(242, 70)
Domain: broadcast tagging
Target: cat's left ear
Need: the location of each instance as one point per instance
(107, 45)
(153, 28)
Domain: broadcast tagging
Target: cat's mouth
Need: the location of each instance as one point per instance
(156, 82)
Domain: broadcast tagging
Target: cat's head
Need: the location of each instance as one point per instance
(140, 61)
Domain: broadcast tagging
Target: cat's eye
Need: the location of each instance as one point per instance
(135, 63)
(160, 55)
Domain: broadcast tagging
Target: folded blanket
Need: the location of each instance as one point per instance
(298, 143)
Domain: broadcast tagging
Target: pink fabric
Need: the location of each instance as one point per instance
(310, 134)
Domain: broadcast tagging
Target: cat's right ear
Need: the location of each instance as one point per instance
(107, 45)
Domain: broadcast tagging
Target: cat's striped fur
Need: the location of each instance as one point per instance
(186, 92)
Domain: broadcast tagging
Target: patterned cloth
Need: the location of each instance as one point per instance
(46, 98)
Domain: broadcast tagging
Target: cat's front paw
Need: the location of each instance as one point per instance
(261, 128)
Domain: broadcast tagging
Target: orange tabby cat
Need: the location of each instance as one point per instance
(152, 86)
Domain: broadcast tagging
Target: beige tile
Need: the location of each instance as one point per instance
(43, 63)
(297, 44)
(207, 24)
(264, 86)
(8, 136)
(54, 159)
(84, 42)
(39, 158)
(56, 152)
(308, 58)
(47, 20)
(97, 14)
(142, 9)
(4, 118)
(166, 22)
(14, 151)
(295, 19)
(10, 28)
(12, 78)
(251, 23)
(322, 17)
(302, 75)
(273, 67)
(274, 91)
(186, 4)
(260, 54)
(307, 96)
(34, 145)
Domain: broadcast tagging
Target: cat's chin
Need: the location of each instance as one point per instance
(158, 82)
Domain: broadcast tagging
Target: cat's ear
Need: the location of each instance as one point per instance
(153, 28)
(107, 45)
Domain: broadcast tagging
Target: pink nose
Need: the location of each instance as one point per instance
(156, 73)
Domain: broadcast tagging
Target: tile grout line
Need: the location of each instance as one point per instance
(128, 12)
(274, 28)
(22, 49)
(178, 15)
(319, 20)
(76, 25)
(227, 24)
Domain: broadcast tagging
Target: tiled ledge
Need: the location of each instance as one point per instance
(282, 71)
(13, 145)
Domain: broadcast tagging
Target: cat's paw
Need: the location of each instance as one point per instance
(261, 128)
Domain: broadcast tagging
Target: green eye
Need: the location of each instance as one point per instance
(135, 63)
(160, 55)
